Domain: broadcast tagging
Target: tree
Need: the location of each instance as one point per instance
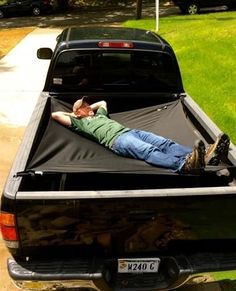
(139, 9)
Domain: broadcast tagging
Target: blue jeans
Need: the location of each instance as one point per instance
(153, 149)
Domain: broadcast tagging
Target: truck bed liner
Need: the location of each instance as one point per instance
(61, 150)
(66, 161)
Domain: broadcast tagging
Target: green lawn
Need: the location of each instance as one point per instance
(205, 46)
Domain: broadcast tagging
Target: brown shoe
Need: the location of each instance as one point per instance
(195, 160)
(217, 151)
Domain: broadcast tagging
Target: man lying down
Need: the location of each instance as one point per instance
(92, 121)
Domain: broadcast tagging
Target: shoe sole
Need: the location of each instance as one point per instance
(220, 152)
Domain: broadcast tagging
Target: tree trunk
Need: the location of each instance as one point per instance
(63, 4)
(139, 9)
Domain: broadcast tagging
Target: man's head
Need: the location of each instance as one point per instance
(82, 109)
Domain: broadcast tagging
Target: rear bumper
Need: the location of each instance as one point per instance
(102, 274)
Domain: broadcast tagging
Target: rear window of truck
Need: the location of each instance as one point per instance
(124, 71)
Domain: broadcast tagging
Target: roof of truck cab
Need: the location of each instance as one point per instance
(75, 37)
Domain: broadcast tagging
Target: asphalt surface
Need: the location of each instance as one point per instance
(93, 16)
(85, 17)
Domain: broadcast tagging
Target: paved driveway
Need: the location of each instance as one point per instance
(23, 76)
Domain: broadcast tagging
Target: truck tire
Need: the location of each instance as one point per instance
(36, 11)
(192, 8)
(1, 14)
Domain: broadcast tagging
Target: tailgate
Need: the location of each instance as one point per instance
(126, 222)
(123, 240)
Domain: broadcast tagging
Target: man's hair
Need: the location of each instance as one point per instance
(81, 108)
(83, 111)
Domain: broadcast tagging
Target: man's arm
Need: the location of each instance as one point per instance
(93, 106)
(63, 117)
(99, 104)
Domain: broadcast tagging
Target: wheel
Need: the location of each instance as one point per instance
(192, 8)
(36, 11)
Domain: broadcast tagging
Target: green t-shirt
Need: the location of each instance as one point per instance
(98, 127)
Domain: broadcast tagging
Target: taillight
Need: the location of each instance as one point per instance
(8, 229)
(115, 44)
(8, 233)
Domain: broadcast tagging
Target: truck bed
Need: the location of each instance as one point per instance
(71, 161)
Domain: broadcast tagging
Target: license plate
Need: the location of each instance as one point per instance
(139, 265)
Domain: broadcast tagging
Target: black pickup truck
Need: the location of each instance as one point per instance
(76, 216)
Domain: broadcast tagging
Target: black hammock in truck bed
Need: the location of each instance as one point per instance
(59, 150)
